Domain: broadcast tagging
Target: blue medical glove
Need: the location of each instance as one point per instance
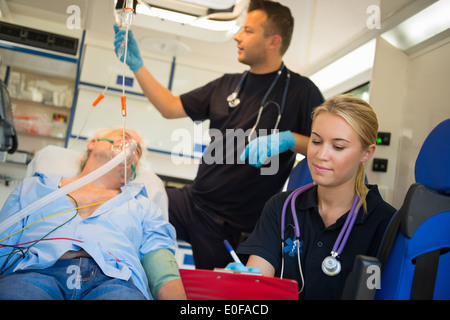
(239, 266)
(261, 148)
(134, 60)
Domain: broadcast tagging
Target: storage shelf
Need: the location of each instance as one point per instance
(42, 106)
(39, 104)
(39, 136)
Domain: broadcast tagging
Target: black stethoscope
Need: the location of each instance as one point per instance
(330, 265)
(234, 101)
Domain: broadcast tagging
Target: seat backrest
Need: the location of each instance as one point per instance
(433, 162)
(299, 176)
(415, 253)
(65, 162)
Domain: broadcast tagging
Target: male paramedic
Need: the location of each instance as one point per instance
(105, 240)
(227, 197)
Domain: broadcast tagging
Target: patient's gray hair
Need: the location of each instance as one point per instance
(101, 133)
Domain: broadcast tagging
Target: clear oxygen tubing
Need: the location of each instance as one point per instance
(31, 208)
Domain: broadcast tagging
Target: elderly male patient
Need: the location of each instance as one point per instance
(105, 240)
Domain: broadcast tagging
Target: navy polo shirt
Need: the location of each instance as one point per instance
(228, 189)
(316, 241)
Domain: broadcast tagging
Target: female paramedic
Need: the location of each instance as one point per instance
(313, 234)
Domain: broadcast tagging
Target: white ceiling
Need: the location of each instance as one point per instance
(324, 29)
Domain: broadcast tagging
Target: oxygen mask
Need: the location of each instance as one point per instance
(117, 146)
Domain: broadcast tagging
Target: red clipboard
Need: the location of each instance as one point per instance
(221, 285)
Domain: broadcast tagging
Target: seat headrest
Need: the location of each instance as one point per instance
(433, 162)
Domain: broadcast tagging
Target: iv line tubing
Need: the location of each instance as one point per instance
(94, 104)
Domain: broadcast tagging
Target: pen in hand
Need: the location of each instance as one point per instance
(231, 251)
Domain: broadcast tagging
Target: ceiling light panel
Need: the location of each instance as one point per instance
(351, 65)
(424, 25)
(213, 4)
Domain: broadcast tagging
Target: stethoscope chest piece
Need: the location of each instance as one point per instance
(331, 266)
(233, 100)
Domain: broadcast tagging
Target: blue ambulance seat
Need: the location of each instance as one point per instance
(299, 175)
(414, 255)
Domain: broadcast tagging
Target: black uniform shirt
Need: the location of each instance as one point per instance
(316, 241)
(237, 192)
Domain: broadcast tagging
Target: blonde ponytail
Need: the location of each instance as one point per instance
(360, 186)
